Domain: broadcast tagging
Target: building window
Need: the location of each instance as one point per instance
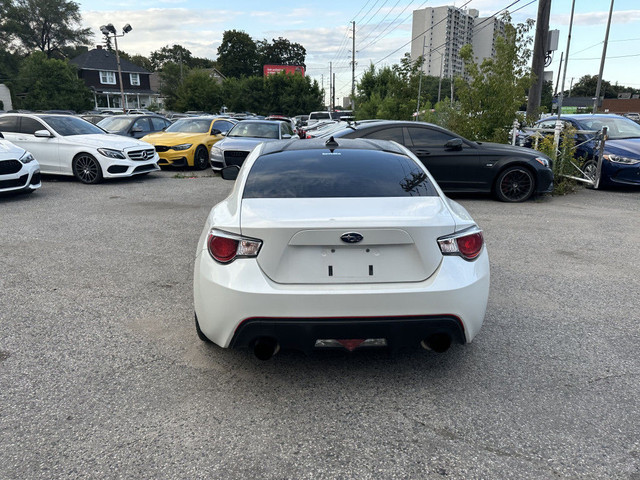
(135, 79)
(108, 78)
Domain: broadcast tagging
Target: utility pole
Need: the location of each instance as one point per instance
(333, 96)
(330, 86)
(424, 42)
(440, 82)
(323, 92)
(539, 55)
(556, 136)
(353, 70)
(604, 54)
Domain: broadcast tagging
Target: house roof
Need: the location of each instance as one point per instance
(104, 60)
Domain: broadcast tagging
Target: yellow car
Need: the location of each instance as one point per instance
(188, 141)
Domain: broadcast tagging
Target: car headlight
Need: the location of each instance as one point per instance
(26, 158)
(542, 161)
(621, 159)
(216, 153)
(108, 152)
(184, 146)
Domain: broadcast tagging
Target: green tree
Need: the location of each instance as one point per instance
(280, 52)
(175, 54)
(45, 25)
(392, 92)
(587, 85)
(171, 77)
(142, 61)
(487, 103)
(199, 92)
(46, 84)
(237, 54)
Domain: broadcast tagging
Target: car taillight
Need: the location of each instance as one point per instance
(467, 244)
(226, 247)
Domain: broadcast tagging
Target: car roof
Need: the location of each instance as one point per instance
(332, 144)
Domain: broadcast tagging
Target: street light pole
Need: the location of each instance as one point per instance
(110, 31)
(115, 41)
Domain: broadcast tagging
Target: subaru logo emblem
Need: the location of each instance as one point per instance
(351, 237)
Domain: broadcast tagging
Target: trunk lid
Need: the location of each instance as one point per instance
(302, 238)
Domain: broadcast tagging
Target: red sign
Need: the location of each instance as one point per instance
(271, 69)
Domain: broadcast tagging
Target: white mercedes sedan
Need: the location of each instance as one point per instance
(347, 244)
(68, 145)
(19, 171)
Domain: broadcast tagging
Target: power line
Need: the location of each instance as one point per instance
(380, 22)
(392, 22)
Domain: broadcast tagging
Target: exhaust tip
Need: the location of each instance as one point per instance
(439, 342)
(265, 347)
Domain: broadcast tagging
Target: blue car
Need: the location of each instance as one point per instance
(621, 160)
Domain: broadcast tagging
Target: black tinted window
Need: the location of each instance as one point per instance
(159, 123)
(394, 134)
(426, 137)
(222, 125)
(30, 126)
(342, 173)
(143, 124)
(9, 123)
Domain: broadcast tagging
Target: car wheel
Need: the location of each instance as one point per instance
(589, 168)
(87, 169)
(201, 335)
(515, 184)
(201, 158)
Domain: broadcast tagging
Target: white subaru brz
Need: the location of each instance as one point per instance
(346, 244)
(19, 171)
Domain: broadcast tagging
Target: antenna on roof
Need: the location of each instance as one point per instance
(331, 143)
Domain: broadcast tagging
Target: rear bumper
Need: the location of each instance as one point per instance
(302, 333)
(236, 302)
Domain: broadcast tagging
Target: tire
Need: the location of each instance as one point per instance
(589, 168)
(201, 335)
(515, 184)
(87, 169)
(201, 158)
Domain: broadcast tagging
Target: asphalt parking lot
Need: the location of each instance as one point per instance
(103, 376)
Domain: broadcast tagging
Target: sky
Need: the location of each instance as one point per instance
(383, 31)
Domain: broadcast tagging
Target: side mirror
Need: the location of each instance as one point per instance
(286, 136)
(215, 131)
(136, 129)
(454, 144)
(230, 172)
(43, 134)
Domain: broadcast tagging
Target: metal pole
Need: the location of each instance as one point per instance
(450, 40)
(559, 72)
(330, 86)
(353, 70)
(570, 87)
(424, 42)
(333, 95)
(124, 108)
(556, 137)
(440, 82)
(604, 54)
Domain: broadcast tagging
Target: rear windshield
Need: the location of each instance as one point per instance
(341, 173)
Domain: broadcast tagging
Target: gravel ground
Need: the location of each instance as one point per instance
(102, 375)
